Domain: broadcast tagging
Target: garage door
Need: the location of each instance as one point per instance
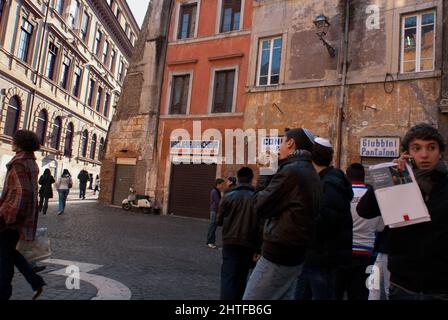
(124, 179)
(190, 187)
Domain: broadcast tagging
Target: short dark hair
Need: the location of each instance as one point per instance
(321, 155)
(356, 172)
(218, 181)
(302, 137)
(422, 131)
(232, 179)
(26, 140)
(245, 175)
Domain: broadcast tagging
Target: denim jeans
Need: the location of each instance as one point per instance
(397, 293)
(316, 284)
(271, 281)
(43, 204)
(211, 235)
(82, 190)
(236, 263)
(63, 194)
(9, 257)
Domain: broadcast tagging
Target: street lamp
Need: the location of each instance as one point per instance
(323, 25)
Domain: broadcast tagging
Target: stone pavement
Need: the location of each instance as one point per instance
(156, 257)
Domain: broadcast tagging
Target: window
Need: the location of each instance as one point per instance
(12, 116)
(105, 51)
(118, 13)
(179, 94)
(74, 12)
(68, 140)
(85, 26)
(77, 81)
(56, 134)
(2, 4)
(51, 60)
(90, 97)
(26, 33)
(93, 147)
(106, 104)
(132, 39)
(98, 99)
(223, 91)
(187, 21)
(59, 6)
(269, 61)
(127, 30)
(121, 71)
(113, 58)
(101, 150)
(98, 38)
(418, 42)
(41, 128)
(231, 15)
(66, 62)
(84, 141)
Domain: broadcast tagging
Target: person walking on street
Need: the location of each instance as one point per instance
(63, 186)
(46, 190)
(331, 245)
(90, 181)
(215, 198)
(241, 236)
(288, 200)
(351, 280)
(83, 177)
(19, 213)
(418, 254)
(97, 184)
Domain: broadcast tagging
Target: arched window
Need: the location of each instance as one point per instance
(84, 140)
(56, 133)
(12, 116)
(68, 140)
(101, 150)
(41, 128)
(93, 147)
(2, 5)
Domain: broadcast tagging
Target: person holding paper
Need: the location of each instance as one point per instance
(418, 254)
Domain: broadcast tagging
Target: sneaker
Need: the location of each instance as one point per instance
(60, 212)
(37, 293)
(38, 269)
(212, 246)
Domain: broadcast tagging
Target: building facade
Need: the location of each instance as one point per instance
(359, 73)
(62, 65)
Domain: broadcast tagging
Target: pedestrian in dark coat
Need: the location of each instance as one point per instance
(215, 198)
(83, 177)
(331, 245)
(46, 190)
(19, 212)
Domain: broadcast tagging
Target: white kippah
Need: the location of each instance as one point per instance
(323, 142)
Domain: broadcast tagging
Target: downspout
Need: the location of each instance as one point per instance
(342, 98)
(33, 91)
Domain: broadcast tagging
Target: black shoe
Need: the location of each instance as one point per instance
(38, 269)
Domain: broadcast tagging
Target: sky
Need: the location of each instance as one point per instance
(138, 8)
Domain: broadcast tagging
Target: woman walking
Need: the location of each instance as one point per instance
(18, 213)
(46, 190)
(97, 184)
(64, 185)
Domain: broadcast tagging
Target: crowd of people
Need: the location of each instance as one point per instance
(313, 232)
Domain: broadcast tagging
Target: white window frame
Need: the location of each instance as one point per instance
(176, 25)
(170, 91)
(211, 94)
(260, 52)
(418, 43)
(219, 17)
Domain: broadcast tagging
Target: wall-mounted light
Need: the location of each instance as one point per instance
(323, 25)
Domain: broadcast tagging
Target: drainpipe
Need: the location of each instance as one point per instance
(342, 97)
(33, 91)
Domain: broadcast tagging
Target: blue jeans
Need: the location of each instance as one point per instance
(397, 293)
(271, 281)
(211, 235)
(236, 263)
(82, 190)
(63, 194)
(316, 284)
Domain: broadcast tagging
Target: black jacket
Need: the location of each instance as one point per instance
(333, 232)
(418, 254)
(241, 225)
(46, 189)
(83, 177)
(288, 203)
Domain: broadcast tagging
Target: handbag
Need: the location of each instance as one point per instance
(38, 249)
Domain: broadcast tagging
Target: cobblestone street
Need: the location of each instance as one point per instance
(155, 257)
